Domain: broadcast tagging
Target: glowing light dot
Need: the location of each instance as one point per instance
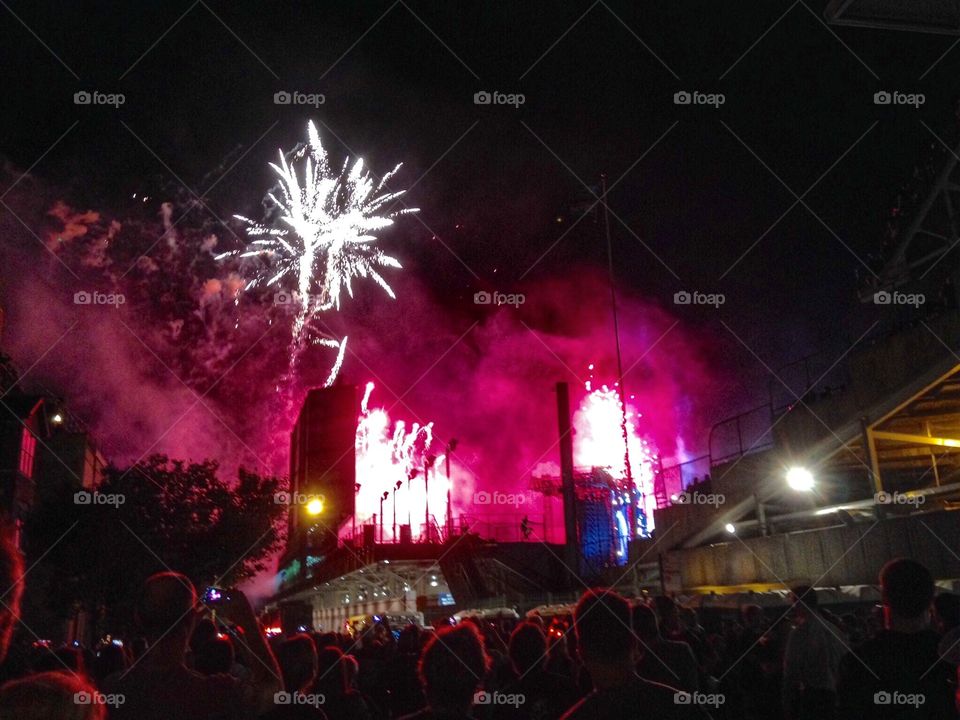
(800, 479)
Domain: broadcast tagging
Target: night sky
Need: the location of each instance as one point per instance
(697, 188)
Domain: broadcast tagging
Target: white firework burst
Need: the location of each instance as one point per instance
(323, 232)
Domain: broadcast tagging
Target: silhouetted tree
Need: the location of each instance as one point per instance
(155, 515)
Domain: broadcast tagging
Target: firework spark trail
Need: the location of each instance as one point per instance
(322, 232)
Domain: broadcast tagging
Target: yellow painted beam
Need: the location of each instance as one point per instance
(915, 439)
(943, 378)
(733, 589)
(870, 445)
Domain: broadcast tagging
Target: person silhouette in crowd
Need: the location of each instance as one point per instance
(330, 682)
(946, 610)
(214, 656)
(452, 667)
(811, 660)
(11, 592)
(403, 684)
(108, 660)
(665, 661)
(297, 657)
(545, 695)
(159, 685)
(51, 696)
(898, 673)
(608, 648)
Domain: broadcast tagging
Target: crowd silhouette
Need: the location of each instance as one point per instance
(617, 658)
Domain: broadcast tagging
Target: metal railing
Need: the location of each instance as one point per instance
(505, 528)
(675, 479)
(729, 439)
(751, 429)
(807, 377)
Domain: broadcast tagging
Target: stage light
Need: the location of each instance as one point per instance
(800, 479)
(730, 528)
(315, 506)
(57, 419)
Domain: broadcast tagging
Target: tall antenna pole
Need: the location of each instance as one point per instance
(616, 335)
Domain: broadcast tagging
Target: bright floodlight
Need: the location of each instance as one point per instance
(800, 479)
(315, 506)
(730, 528)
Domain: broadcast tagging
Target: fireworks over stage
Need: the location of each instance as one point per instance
(599, 426)
(319, 232)
(402, 479)
(397, 473)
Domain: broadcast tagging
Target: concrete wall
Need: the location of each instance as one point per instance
(832, 556)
